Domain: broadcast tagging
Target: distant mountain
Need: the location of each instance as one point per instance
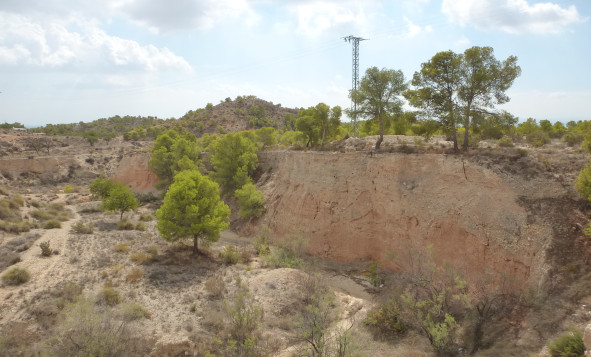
(243, 113)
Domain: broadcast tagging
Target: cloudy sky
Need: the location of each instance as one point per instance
(65, 61)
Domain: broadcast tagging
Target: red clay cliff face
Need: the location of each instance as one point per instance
(354, 206)
(134, 171)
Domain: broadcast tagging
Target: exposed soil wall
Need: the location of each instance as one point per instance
(353, 206)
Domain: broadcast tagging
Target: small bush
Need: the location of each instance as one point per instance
(16, 276)
(140, 226)
(52, 223)
(216, 287)
(139, 257)
(538, 138)
(108, 296)
(386, 319)
(122, 248)
(572, 138)
(82, 228)
(146, 217)
(125, 225)
(70, 189)
(230, 255)
(45, 249)
(135, 311)
(135, 275)
(261, 242)
(569, 344)
(505, 142)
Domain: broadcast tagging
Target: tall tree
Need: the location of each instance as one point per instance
(234, 159)
(192, 209)
(377, 96)
(456, 88)
(319, 123)
(173, 152)
(484, 83)
(436, 93)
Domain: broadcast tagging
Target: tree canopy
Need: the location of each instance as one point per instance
(459, 88)
(173, 152)
(377, 96)
(119, 198)
(319, 123)
(234, 158)
(192, 209)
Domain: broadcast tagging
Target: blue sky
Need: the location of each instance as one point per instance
(65, 61)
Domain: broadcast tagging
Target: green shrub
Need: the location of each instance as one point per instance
(108, 296)
(70, 189)
(140, 226)
(538, 138)
(572, 138)
(52, 223)
(569, 344)
(230, 255)
(251, 201)
(82, 228)
(16, 276)
(146, 217)
(125, 225)
(288, 253)
(261, 241)
(139, 257)
(216, 287)
(386, 319)
(505, 142)
(134, 311)
(121, 248)
(45, 249)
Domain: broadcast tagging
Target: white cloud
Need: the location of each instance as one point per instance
(316, 18)
(512, 16)
(184, 14)
(413, 30)
(78, 43)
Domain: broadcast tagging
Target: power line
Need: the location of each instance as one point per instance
(355, 84)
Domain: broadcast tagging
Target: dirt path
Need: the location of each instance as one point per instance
(45, 271)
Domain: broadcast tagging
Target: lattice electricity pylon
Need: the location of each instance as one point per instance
(355, 83)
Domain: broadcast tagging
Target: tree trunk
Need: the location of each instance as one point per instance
(121, 217)
(195, 250)
(454, 134)
(379, 142)
(467, 127)
(323, 133)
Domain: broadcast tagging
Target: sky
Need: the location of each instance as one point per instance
(66, 61)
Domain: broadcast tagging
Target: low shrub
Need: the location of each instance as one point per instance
(146, 217)
(122, 248)
(82, 228)
(45, 249)
(385, 319)
(572, 138)
(216, 287)
(569, 344)
(70, 189)
(16, 276)
(135, 275)
(52, 224)
(505, 142)
(538, 138)
(230, 255)
(139, 257)
(125, 225)
(134, 311)
(140, 226)
(108, 296)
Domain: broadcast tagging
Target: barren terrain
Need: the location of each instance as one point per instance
(491, 211)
